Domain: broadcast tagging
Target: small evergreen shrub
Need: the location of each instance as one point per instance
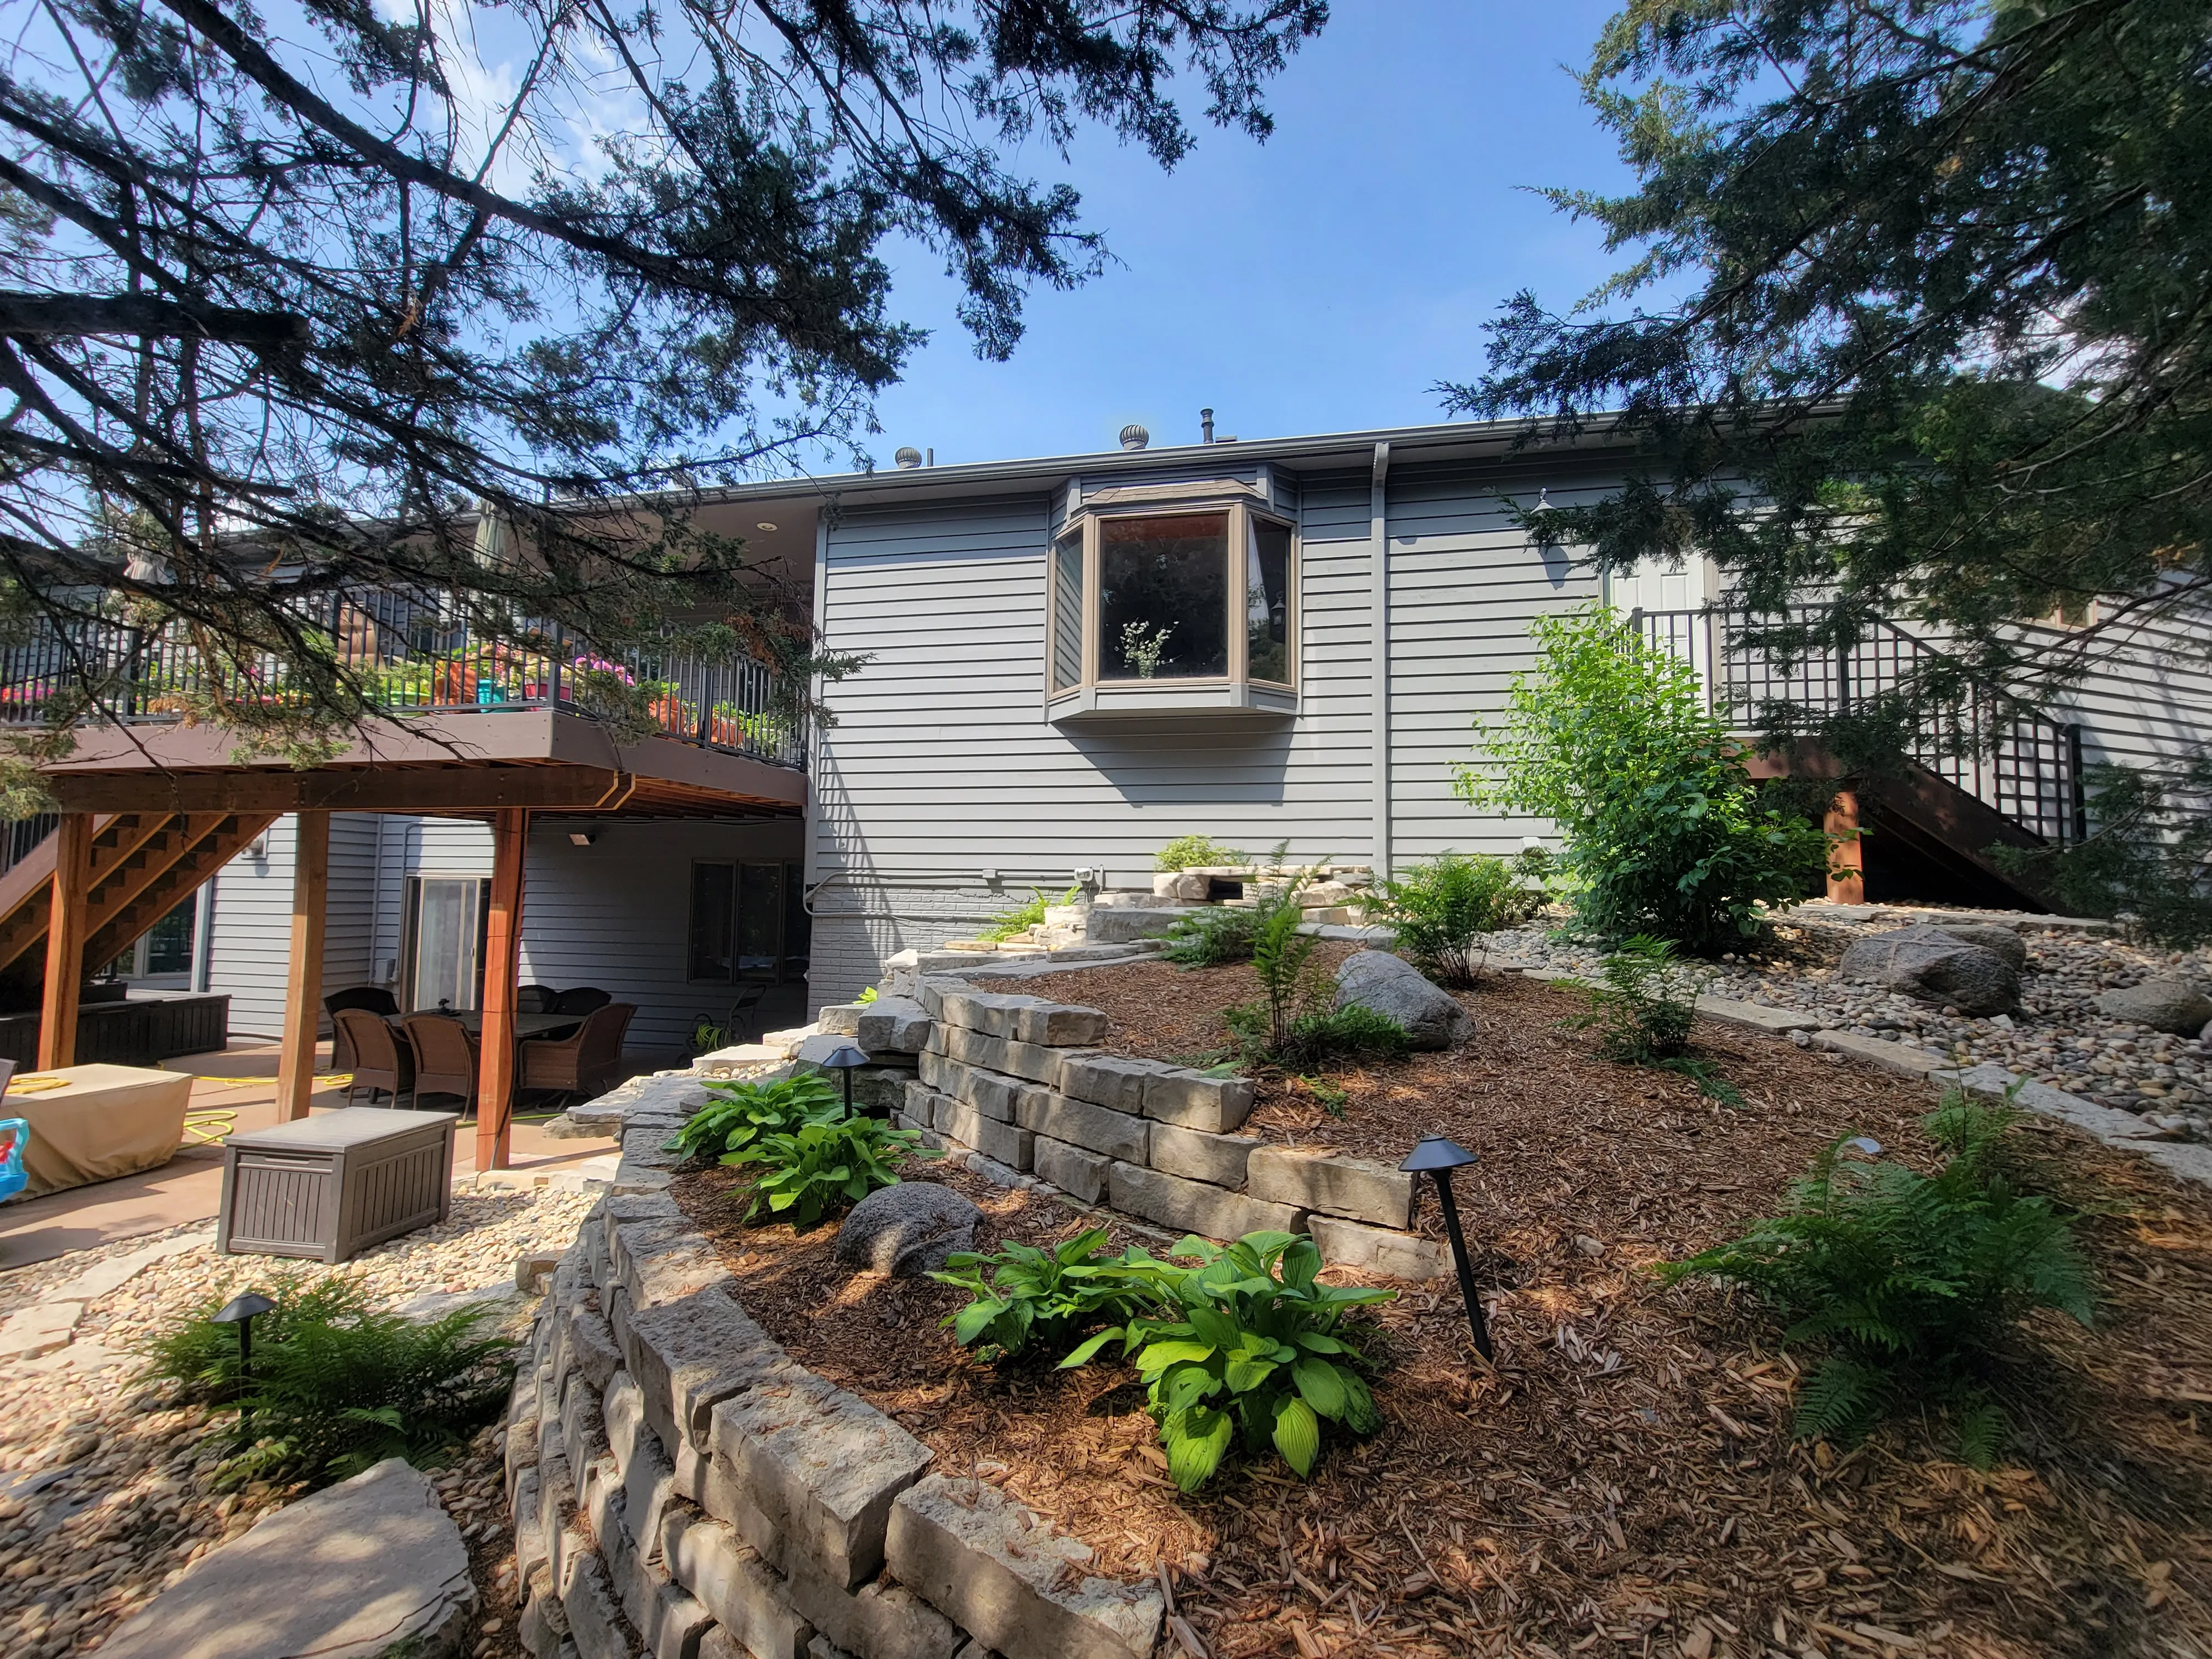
(828, 1163)
(1252, 1351)
(1196, 852)
(338, 1383)
(1442, 910)
(1611, 739)
(1644, 1012)
(1908, 1282)
(1023, 1297)
(737, 1115)
(2150, 857)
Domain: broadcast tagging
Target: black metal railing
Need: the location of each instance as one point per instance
(2004, 752)
(409, 655)
(23, 836)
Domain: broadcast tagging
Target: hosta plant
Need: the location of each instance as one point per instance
(1025, 1297)
(1908, 1283)
(737, 1115)
(1251, 1352)
(825, 1164)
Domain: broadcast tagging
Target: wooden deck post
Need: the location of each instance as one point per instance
(303, 1005)
(1847, 861)
(495, 1067)
(65, 930)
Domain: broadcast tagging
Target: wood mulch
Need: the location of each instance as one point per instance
(1625, 1481)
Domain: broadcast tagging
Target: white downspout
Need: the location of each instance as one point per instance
(1378, 536)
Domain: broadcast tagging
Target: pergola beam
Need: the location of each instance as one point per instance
(333, 789)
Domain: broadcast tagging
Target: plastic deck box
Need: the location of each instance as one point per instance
(331, 1186)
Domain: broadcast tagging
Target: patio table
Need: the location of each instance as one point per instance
(526, 1025)
(103, 1121)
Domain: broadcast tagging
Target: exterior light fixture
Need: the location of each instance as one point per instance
(242, 1311)
(847, 1059)
(583, 837)
(765, 525)
(1439, 1157)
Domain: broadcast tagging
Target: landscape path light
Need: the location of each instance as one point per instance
(242, 1311)
(1438, 1156)
(847, 1059)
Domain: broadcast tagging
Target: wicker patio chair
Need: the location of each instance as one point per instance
(445, 1057)
(383, 1063)
(587, 1064)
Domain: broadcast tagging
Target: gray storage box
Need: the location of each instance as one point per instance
(333, 1185)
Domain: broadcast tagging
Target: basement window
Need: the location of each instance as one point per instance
(1157, 611)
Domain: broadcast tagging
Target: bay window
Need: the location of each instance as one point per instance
(1166, 610)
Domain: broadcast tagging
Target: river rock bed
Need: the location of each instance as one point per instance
(2057, 1037)
(104, 1494)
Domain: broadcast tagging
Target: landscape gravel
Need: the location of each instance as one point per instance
(106, 1493)
(2057, 1036)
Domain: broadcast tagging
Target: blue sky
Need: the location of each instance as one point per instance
(1322, 281)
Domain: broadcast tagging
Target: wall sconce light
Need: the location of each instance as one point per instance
(1439, 1157)
(583, 837)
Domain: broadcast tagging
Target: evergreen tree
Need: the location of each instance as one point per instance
(1919, 318)
(329, 290)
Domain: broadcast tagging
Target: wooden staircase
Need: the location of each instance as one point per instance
(144, 865)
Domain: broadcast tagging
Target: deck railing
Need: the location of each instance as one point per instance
(2002, 751)
(410, 655)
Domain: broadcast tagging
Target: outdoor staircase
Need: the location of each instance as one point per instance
(144, 865)
(1989, 770)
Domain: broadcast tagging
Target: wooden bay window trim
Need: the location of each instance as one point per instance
(1240, 515)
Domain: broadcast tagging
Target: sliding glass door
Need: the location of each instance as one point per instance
(445, 917)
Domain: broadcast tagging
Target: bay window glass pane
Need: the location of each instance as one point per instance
(1268, 602)
(1163, 597)
(1067, 613)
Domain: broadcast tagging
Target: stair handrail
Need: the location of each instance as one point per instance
(1987, 741)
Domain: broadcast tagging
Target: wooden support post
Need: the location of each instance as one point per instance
(65, 931)
(1846, 861)
(303, 1003)
(503, 964)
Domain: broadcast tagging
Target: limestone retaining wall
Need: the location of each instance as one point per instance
(683, 1488)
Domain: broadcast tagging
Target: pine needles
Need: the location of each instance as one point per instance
(1910, 1282)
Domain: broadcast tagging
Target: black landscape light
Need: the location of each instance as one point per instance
(847, 1059)
(1439, 1157)
(242, 1311)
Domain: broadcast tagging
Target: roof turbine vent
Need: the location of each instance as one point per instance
(1134, 436)
(907, 458)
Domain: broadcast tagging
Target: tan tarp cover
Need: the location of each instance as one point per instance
(110, 1120)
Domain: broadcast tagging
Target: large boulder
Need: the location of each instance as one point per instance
(1990, 936)
(1389, 985)
(908, 1230)
(2165, 1005)
(1936, 966)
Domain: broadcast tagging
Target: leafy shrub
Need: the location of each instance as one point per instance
(1611, 739)
(1644, 1012)
(1006, 925)
(1440, 910)
(1214, 936)
(339, 1385)
(825, 1164)
(2150, 857)
(1022, 1297)
(737, 1115)
(1908, 1280)
(1252, 1349)
(1194, 852)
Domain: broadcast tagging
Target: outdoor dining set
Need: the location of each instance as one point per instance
(568, 1043)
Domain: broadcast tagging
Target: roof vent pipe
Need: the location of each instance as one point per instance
(907, 458)
(1134, 436)
(1205, 425)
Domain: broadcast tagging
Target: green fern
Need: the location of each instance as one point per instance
(337, 1384)
(1909, 1282)
(1644, 1017)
